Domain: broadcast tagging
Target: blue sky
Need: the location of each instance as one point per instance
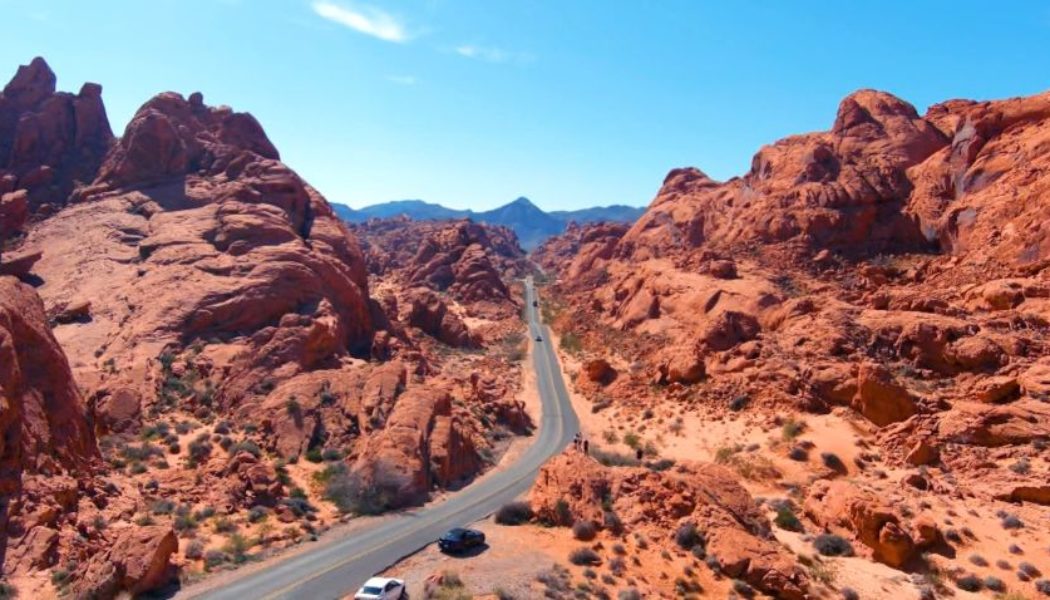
(572, 103)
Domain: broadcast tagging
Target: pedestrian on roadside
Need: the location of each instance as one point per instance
(638, 454)
(586, 446)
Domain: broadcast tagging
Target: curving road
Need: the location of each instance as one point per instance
(337, 567)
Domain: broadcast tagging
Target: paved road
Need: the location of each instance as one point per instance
(338, 567)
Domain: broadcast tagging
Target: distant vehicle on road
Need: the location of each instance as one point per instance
(539, 339)
(535, 302)
(460, 540)
(381, 588)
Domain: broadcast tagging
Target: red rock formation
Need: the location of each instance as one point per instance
(45, 431)
(49, 141)
(841, 505)
(428, 312)
(891, 271)
(469, 261)
(707, 496)
(207, 236)
(138, 561)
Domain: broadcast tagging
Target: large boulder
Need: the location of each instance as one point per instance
(841, 505)
(138, 561)
(427, 311)
(880, 398)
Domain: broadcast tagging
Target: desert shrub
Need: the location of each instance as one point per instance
(699, 552)
(1029, 569)
(61, 576)
(822, 572)
(792, 429)
(612, 523)
(786, 518)
(629, 594)
(237, 547)
(204, 513)
(584, 556)
(978, 560)
(970, 583)
(619, 549)
(712, 563)
(590, 573)
(562, 512)
(631, 439)
(184, 522)
(1021, 467)
(331, 454)
(162, 507)
(798, 453)
(609, 458)
(1012, 522)
(739, 403)
(295, 410)
(257, 513)
(832, 461)
(1015, 549)
(584, 530)
(224, 525)
(514, 513)
(7, 591)
(195, 550)
(617, 565)
(1043, 586)
(299, 506)
(832, 545)
(352, 492)
(952, 535)
(687, 536)
(246, 446)
(849, 594)
(994, 584)
(199, 450)
(214, 558)
(570, 342)
(314, 455)
(743, 589)
(661, 465)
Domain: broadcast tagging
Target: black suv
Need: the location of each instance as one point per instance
(460, 540)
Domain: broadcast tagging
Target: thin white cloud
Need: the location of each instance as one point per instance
(492, 54)
(401, 79)
(365, 19)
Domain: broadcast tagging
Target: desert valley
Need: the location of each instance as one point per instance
(828, 377)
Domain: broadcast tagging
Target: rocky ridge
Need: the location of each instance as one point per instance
(888, 275)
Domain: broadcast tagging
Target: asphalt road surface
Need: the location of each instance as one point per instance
(337, 567)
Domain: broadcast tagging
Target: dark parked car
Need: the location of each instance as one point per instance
(461, 540)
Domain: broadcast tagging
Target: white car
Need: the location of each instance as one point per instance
(381, 588)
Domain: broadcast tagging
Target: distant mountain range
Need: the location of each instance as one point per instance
(529, 222)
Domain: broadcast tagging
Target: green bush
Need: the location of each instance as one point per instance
(514, 513)
(832, 545)
(584, 556)
(584, 531)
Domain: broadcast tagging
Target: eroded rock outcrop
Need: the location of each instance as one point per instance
(50, 141)
(706, 496)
